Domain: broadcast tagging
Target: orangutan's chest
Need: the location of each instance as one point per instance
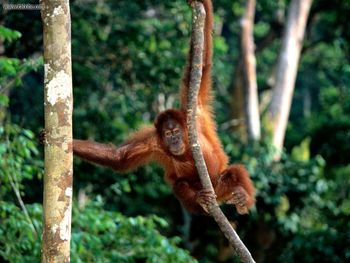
(187, 169)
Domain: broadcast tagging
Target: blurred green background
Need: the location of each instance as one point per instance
(128, 57)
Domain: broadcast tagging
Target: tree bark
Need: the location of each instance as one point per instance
(58, 105)
(249, 73)
(198, 18)
(238, 109)
(286, 71)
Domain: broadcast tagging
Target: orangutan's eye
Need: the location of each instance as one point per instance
(167, 133)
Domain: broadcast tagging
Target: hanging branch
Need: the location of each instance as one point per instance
(198, 18)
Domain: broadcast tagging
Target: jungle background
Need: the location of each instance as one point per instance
(128, 58)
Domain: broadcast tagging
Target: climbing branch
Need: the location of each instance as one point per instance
(198, 19)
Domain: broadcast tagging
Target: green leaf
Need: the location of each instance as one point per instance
(9, 34)
(302, 152)
(4, 101)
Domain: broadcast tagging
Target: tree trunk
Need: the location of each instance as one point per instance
(286, 70)
(249, 73)
(238, 109)
(58, 128)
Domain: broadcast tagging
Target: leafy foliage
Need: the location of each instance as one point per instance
(11, 68)
(8, 34)
(97, 236)
(100, 236)
(18, 163)
(19, 242)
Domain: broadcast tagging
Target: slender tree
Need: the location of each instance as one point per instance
(286, 70)
(249, 72)
(245, 105)
(58, 129)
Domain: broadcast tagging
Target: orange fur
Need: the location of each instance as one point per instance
(205, 96)
(146, 145)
